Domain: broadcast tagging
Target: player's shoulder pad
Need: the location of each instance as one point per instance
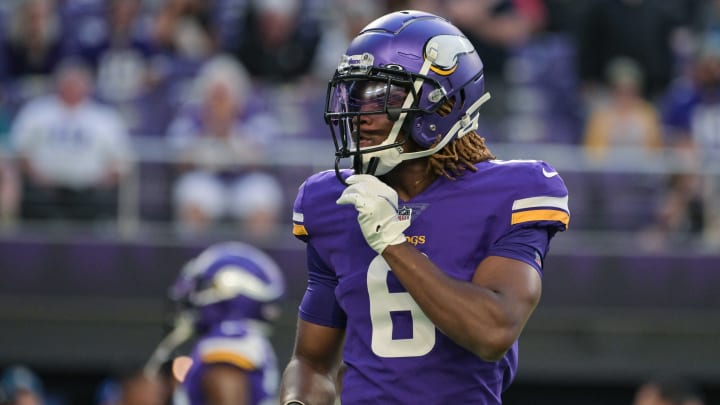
(539, 193)
(313, 195)
(531, 177)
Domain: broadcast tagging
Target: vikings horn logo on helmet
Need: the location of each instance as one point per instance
(443, 52)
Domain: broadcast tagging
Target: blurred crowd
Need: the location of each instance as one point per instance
(221, 82)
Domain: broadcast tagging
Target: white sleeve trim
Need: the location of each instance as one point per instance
(541, 201)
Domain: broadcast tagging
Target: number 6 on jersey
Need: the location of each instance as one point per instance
(382, 304)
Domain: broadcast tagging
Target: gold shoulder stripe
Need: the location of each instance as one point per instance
(229, 357)
(299, 230)
(540, 215)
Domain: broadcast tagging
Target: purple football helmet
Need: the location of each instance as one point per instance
(230, 281)
(417, 68)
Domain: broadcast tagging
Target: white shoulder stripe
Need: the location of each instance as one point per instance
(505, 162)
(298, 217)
(542, 201)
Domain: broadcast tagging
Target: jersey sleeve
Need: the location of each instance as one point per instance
(298, 218)
(542, 202)
(538, 211)
(319, 304)
(529, 245)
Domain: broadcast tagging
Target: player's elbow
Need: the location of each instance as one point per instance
(492, 353)
(493, 346)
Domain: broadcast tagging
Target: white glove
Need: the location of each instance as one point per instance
(377, 206)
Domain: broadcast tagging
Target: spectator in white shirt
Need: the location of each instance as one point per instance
(71, 150)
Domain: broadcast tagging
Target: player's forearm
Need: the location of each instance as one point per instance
(475, 317)
(302, 383)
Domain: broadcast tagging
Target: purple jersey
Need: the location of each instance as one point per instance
(233, 343)
(393, 351)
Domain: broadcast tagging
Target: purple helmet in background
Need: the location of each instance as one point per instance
(417, 68)
(230, 281)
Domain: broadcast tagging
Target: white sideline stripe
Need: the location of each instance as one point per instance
(543, 201)
(298, 217)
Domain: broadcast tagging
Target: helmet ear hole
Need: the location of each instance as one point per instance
(465, 103)
(447, 107)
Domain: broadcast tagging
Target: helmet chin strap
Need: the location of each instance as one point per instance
(467, 123)
(389, 158)
(382, 161)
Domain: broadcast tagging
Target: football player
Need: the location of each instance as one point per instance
(228, 297)
(426, 258)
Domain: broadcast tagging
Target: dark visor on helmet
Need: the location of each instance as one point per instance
(353, 95)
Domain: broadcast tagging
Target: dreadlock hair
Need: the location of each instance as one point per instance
(460, 154)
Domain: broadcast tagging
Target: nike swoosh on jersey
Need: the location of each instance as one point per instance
(549, 174)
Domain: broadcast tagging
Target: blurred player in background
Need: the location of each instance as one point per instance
(228, 298)
(425, 260)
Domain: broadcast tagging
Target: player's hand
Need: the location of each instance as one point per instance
(377, 206)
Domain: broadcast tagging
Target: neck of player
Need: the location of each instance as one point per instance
(410, 178)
